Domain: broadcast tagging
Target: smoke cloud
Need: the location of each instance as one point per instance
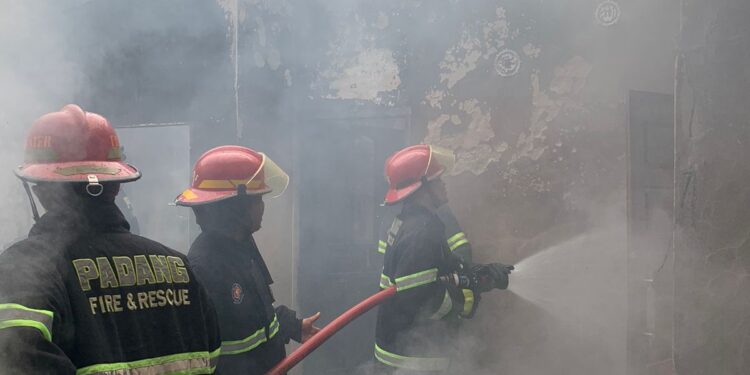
(530, 96)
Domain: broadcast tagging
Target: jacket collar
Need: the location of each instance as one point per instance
(94, 217)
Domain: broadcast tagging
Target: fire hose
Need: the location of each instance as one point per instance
(330, 329)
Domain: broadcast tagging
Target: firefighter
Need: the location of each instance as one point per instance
(435, 288)
(229, 183)
(82, 295)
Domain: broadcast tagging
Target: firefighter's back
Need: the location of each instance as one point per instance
(82, 295)
(102, 301)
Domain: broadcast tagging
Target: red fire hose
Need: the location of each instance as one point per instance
(329, 330)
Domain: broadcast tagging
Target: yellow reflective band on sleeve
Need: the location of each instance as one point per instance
(250, 342)
(183, 363)
(417, 279)
(411, 363)
(385, 281)
(458, 244)
(456, 237)
(15, 315)
(468, 302)
(382, 247)
(445, 307)
(456, 240)
(27, 323)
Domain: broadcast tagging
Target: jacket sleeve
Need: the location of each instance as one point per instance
(463, 302)
(290, 327)
(33, 310)
(456, 301)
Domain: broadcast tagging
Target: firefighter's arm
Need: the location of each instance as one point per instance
(33, 301)
(465, 284)
(290, 327)
(24, 349)
(461, 300)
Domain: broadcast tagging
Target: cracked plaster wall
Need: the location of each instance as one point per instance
(712, 245)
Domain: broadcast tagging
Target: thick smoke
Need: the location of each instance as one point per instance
(540, 178)
(36, 76)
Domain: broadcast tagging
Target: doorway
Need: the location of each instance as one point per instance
(650, 222)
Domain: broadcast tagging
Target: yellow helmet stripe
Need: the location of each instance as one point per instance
(229, 184)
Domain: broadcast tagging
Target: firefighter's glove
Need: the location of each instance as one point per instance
(482, 278)
(500, 274)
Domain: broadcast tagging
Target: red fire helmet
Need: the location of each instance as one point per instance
(220, 172)
(72, 145)
(405, 169)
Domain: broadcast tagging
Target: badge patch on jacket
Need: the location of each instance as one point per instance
(237, 294)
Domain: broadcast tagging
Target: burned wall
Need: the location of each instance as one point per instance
(711, 238)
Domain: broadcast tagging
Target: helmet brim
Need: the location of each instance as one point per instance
(78, 171)
(196, 197)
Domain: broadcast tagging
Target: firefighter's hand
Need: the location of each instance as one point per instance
(308, 329)
(500, 273)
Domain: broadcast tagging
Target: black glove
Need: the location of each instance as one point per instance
(499, 273)
(483, 280)
(488, 276)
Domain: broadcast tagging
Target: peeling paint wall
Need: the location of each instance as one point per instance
(365, 77)
(472, 136)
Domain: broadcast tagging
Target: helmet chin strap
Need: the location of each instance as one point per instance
(34, 210)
